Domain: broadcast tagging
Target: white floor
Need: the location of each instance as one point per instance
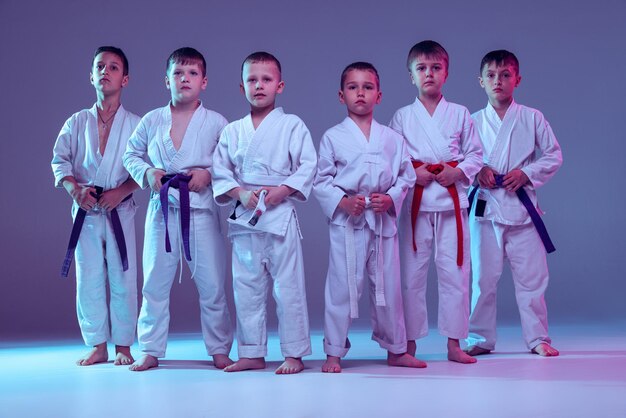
(588, 380)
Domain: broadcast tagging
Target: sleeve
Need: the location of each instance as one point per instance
(223, 170)
(471, 149)
(304, 161)
(136, 150)
(396, 122)
(327, 194)
(550, 158)
(404, 181)
(221, 123)
(62, 155)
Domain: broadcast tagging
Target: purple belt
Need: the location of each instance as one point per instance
(530, 208)
(116, 225)
(180, 182)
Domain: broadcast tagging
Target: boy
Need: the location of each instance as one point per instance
(266, 159)
(178, 142)
(87, 162)
(446, 155)
(521, 153)
(363, 174)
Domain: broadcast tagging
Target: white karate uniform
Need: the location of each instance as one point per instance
(522, 140)
(447, 136)
(77, 153)
(152, 139)
(278, 152)
(365, 246)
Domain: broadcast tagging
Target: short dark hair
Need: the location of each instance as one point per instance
(113, 50)
(186, 56)
(500, 57)
(261, 56)
(361, 66)
(430, 49)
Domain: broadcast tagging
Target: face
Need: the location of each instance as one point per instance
(429, 75)
(499, 82)
(185, 82)
(107, 73)
(360, 92)
(261, 82)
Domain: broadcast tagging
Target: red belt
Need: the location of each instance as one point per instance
(417, 200)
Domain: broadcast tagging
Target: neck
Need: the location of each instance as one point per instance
(180, 107)
(430, 102)
(258, 114)
(501, 106)
(364, 122)
(109, 103)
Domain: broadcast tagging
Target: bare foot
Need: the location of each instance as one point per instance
(411, 347)
(545, 350)
(98, 354)
(123, 356)
(331, 365)
(246, 364)
(404, 360)
(291, 365)
(144, 363)
(221, 360)
(474, 350)
(456, 354)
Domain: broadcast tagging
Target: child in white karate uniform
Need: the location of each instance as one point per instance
(171, 152)
(446, 155)
(262, 165)
(364, 172)
(521, 154)
(87, 162)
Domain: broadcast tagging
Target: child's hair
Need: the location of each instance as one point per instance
(261, 56)
(361, 66)
(428, 49)
(113, 50)
(500, 57)
(186, 56)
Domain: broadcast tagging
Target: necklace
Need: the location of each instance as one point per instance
(105, 123)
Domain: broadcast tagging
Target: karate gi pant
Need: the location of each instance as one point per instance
(492, 243)
(387, 321)
(98, 261)
(207, 266)
(258, 259)
(436, 229)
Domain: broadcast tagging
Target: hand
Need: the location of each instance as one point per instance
(380, 202)
(110, 199)
(200, 179)
(449, 175)
(84, 196)
(275, 195)
(486, 178)
(354, 205)
(424, 177)
(248, 198)
(514, 180)
(154, 175)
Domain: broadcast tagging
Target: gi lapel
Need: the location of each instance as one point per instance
(430, 125)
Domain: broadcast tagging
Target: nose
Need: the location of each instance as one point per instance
(257, 86)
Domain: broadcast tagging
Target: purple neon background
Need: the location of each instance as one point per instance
(573, 63)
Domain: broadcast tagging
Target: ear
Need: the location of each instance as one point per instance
(280, 87)
(481, 82)
(379, 97)
(342, 99)
(411, 78)
(167, 82)
(518, 80)
(242, 89)
(205, 83)
(125, 80)
(91, 78)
